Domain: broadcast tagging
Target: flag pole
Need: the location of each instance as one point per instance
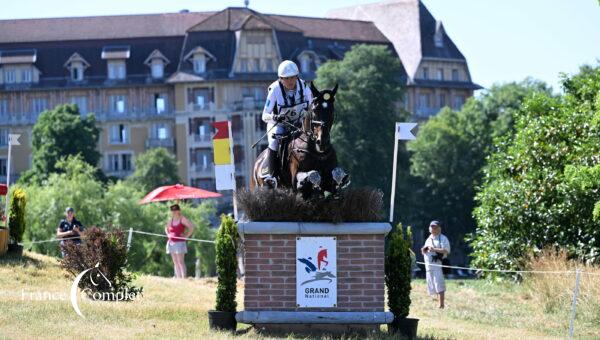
(235, 211)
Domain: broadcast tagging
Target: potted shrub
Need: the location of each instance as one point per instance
(223, 317)
(398, 265)
(3, 233)
(16, 222)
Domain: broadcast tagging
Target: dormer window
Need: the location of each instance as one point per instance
(18, 66)
(309, 61)
(157, 61)
(76, 66)
(116, 57)
(438, 37)
(199, 63)
(199, 57)
(116, 69)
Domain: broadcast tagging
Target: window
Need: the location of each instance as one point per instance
(305, 64)
(117, 103)
(158, 68)
(201, 158)
(455, 75)
(3, 167)
(424, 101)
(425, 73)
(203, 183)
(268, 65)
(160, 131)
(257, 67)
(39, 105)
(442, 100)
(199, 63)
(3, 137)
(440, 74)
(119, 162)
(10, 75)
(119, 134)
(116, 69)
(458, 102)
(3, 107)
(244, 65)
(160, 102)
(200, 97)
(26, 76)
(81, 102)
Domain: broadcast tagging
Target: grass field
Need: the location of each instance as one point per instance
(34, 303)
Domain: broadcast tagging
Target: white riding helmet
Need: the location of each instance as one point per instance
(287, 68)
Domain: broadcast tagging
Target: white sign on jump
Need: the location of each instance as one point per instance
(316, 272)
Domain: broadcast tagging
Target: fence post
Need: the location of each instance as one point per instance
(198, 272)
(574, 304)
(129, 238)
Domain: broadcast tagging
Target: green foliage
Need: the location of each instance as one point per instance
(18, 202)
(450, 151)
(59, 133)
(540, 188)
(363, 133)
(154, 168)
(226, 248)
(398, 266)
(114, 206)
(108, 251)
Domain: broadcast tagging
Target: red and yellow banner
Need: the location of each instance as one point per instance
(223, 156)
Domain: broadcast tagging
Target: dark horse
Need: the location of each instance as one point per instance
(308, 160)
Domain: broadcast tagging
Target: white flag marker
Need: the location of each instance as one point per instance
(403, 132)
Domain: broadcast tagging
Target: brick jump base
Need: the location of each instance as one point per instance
(270, 277)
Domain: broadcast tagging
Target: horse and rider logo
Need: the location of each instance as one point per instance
(320, 270)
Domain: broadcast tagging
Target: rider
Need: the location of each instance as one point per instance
(287, 101)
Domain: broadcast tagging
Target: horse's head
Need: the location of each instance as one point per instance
(322, 116)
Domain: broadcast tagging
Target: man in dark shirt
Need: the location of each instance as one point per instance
(69, 228)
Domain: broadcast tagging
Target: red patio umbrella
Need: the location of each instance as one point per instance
(177, 192)
(3, 189)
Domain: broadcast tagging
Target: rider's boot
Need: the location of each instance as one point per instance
(270, 178)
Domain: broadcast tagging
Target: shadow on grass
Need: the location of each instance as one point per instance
(14, 260)
(374, 335)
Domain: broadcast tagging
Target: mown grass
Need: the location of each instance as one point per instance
(177, 308)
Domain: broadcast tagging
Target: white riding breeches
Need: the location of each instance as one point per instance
(274, 142)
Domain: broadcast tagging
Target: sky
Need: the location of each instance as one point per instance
(503, 40)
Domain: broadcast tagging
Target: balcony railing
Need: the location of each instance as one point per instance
(191, 107)
(118, 173)
(426, 111)
(18, 118)
(248, 104)
(199, 170)
(160, 143)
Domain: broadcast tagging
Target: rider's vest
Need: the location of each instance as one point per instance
(279, 100)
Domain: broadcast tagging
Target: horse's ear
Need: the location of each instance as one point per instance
(314, 90)
(334, 89)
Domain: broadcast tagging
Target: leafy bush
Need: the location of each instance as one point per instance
(398, 265)
(353, 205)
(226, 248)
(540, 188)
(108, 252)
(16, 224)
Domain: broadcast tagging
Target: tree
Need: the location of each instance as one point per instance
(450, 151)
(155, 168)
(62, 132)
(541, 186)
(369, 79)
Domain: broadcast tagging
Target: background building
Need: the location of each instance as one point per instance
(160, 80)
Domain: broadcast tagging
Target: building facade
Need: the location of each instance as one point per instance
(160, 80)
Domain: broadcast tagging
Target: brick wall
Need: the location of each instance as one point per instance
(270, 282)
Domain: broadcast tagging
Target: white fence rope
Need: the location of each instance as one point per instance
(135, 231)
(503, 270)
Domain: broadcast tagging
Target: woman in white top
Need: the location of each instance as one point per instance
(435, 249)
